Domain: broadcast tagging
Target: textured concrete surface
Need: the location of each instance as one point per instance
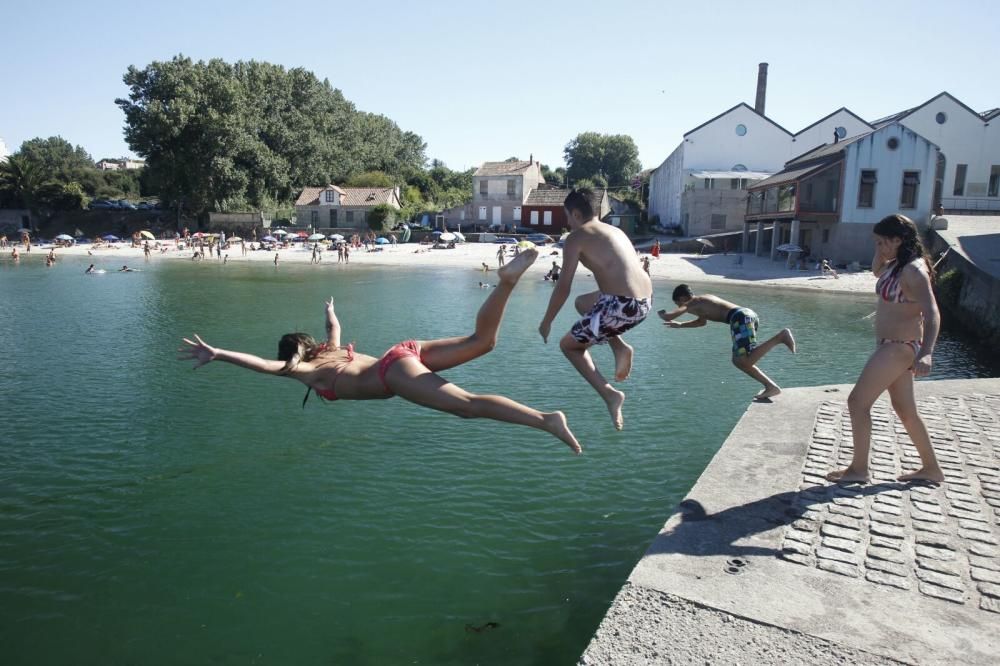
(977, 237)
(893, 571)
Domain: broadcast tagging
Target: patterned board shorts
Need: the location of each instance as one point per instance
(743, 323)
(610, 316)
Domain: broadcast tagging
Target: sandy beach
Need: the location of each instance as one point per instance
(711, 268)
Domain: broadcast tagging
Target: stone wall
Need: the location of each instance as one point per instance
(978, 304)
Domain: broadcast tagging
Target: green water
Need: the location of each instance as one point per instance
(154, 515)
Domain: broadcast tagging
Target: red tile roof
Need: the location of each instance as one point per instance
(512, 168)
(350, 196)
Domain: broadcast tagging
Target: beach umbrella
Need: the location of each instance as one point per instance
(235, 239)
(24, 231)
(279, 232)
(436, 233)
(147, 234)
(448, 236)
(459, 236)
(789, 247)
(64, 237)
(382, 240)
(526, 245)
(269, 239)
(336, 237)
(704, 241)
(316, 237)
(198, 234)
(110, 237)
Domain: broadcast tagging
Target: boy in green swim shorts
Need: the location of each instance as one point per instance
(743, 323)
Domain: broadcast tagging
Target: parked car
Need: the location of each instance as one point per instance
(125, 204)
(144, 205)
(100, 204)
(505, 240)
(539, 239)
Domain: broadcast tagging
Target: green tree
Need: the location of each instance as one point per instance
(613, 157)
(370, 179)
(53, 195)
(55, 156)
(555, 177)
(20, 180)
(381, 218)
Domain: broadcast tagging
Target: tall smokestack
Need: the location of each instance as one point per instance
(761, 88)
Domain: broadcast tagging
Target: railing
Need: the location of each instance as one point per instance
(959, 204)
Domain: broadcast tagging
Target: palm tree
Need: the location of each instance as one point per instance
(20, 178)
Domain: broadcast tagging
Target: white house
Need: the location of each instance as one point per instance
(499, 190)
(730, 152)
(967, 176)
(4, 153)
(829, 198)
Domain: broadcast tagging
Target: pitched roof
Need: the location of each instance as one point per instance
(990, 114)
(826, 150)
(729, 110)
(512, 168)
(787, 176)
(556, 196)
(902, 114)
(831, 115)
(350, 196)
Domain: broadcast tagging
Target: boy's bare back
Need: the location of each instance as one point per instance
(710, 307)
(608, 252)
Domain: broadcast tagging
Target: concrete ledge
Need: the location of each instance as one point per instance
(722, 552)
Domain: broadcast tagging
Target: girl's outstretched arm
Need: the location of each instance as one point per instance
(332, 325)
(201, 353)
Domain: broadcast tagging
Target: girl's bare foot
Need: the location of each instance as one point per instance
(788, 339)
(848, 475)
(615, 399)
(768, 392)
(924, 474)
(555, 423)
(623, 362)
(512, 271)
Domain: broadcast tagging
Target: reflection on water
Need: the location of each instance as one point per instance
(145, 505)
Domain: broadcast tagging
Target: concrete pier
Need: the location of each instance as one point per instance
(765, 562)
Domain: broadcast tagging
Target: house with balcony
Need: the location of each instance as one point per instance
(829, 198)
(500, 189)
(332, 206)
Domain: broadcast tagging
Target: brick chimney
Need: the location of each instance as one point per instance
(761, 88)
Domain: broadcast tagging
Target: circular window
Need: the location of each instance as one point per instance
(941, 118)
(841, 132)
(892, 143)
(741, 130)
(739, 167)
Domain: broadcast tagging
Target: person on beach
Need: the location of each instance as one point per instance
(553, 273)
(126, 269)
(486, 267)
(145, 250)
(742, 322)
(825, 268)
(906, 329)
(501, 256)
(645, 264)
(90, 269)
(408, 369)
(623, 300)
(275, 259)
(347, 254)
(655, 251)
(15, 255)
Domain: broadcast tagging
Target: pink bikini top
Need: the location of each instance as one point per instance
(331, 394)
(889, 287)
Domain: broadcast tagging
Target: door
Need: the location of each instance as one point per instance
(497, 216)
(547, 218)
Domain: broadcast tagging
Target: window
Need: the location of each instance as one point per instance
(511, 188)
(333, 218)
(826, 236)
(960, 171)
(892, 143)
(866, 189)
(718, 222)
(738, 167)
(547, 218)
(841, 132)
(741, 130)
(941, 118)
(314, 217)
(911, 184)
(708, 183)
(484, 188)
(755, 203)
(482, 212)
(517, 213)
(330, 196)
(786, 198)
(994, 188)
(349, 217)
(534, 218)
(734, 183)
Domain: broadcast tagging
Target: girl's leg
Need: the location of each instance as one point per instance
(883, 368)
(446, 353)
(411, 380)
(905, 405)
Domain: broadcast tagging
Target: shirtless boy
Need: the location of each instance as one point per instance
(742, 323)
(624, 298)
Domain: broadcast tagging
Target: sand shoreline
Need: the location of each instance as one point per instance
(715, 268)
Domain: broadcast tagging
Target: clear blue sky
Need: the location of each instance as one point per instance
(488, 80)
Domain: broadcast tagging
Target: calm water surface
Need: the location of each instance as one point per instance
(154, 515)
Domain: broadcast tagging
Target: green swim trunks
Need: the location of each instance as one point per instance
(743, 324)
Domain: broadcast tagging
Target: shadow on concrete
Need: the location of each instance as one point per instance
(701, 533)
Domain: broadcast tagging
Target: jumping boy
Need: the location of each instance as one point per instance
(622, 302)
(743, 323)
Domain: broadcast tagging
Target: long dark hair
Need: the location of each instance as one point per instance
(903, 228)
(294, 348)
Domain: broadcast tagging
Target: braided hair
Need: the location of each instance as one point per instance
(901, 227)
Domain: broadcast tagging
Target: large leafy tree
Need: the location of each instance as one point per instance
(55, 157)
(20, 181)
(613, 158)
(228, 136)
